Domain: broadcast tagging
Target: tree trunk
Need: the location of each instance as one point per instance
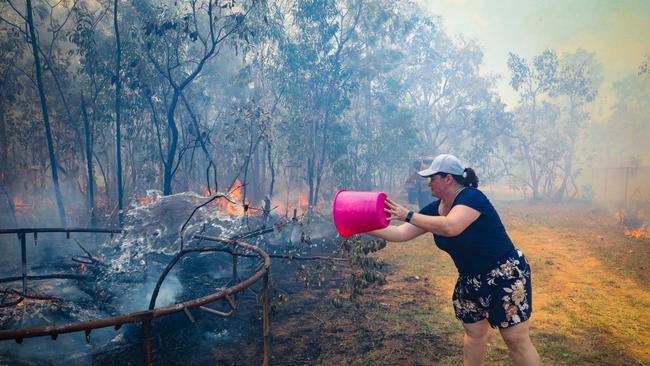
(132, 164)
(59, 88)
(211, 165)
(89, 162)
(568, 167)
(247, 163)
(311, 161)
(104, 178)
(321, 161)
(171, 145)
(568, 161)
(154, 118)
(535, 175)
(46, 120)
(268, 155)
(118, 133)
(4, 148)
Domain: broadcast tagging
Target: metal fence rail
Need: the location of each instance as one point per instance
(145, 317)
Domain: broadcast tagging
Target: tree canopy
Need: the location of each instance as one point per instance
(299, 94)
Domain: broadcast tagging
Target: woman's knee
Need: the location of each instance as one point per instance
(516, 336)
(477, 330)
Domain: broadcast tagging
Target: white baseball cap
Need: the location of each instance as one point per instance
(444, 163)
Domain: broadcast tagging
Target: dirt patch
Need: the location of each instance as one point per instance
(384, 328)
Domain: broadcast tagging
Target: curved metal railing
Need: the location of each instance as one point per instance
(145, 317)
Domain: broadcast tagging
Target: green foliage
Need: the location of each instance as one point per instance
(314, 275)
(454, 107)
(548, 119)
(536, 79)
(628, 131)
(365, 269)
(318, 94)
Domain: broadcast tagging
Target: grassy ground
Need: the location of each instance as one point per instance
(591, 299)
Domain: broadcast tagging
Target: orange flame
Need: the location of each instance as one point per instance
(233, 209)
(21, 205)
(302, 201)
(301, 204)
(641, 233)
(26, 301)
(144, 200)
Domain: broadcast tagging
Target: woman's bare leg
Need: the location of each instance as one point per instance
(474, 342)
(522, 351)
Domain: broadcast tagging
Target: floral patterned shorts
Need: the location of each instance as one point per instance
(503, 296)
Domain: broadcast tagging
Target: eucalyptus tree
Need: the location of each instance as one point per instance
(534, 82)
(579, 78)
(244, 134)
(426, 82)
(627, 133)
(10, 89)
(93, 42)
(139, 87)
(545, 150)
(118, 127)
(27, 15)
(52, 24)
(320, 37)
(486, 143)
(381, 132)
(178, 40)
(454, 106)
(263, 91)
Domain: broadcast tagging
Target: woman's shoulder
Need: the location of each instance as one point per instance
(431, 209)
(472, 195)
(472, 192)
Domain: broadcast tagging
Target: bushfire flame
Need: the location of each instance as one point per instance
(144, 200)
(19, 204)
(301, 204)
(641, 233)
(26, 301)
(232, 209)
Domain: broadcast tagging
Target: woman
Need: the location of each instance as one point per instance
(494, 284)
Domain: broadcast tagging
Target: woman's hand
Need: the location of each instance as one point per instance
(396, 211)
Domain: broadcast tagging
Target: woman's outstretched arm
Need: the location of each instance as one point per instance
(456, 221)
(399, 233)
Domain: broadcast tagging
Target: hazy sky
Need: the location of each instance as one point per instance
(618, 32)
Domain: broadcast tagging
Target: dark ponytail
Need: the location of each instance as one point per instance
(468, 179)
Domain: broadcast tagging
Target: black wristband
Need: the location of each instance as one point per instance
(409, 216)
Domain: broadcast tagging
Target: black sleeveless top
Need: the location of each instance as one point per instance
(483, 244)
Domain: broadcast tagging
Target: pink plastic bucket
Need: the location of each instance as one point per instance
(359, 212)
